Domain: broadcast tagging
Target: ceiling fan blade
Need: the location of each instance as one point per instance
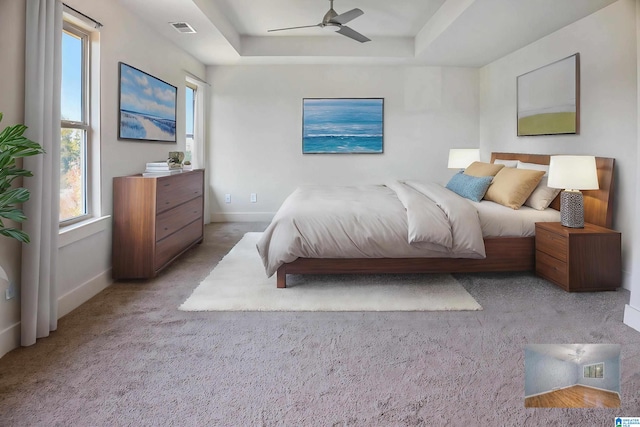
(294, 28)
(353, 34)
(343, 18)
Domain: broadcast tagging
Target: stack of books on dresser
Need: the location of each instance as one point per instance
(161, 168)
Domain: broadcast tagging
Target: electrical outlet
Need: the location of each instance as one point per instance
(11, 291)
(254, 197)
(227, 198)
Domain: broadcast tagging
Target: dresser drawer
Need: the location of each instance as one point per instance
(173, 190)
(551, 243)
(176, 243)
(168, 222)
(552, 269)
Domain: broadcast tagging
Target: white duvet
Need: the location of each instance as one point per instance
(399, 220)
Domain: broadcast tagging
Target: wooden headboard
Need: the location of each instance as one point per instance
(598, 204)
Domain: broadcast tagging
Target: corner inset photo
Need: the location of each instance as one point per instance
(572, 376)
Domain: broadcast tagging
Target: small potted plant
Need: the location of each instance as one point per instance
(187, 165)
(13, 145)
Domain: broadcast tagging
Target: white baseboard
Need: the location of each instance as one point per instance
(632, 317)
(83, 293)
(9, 339)
(242, 216)
(601, 389)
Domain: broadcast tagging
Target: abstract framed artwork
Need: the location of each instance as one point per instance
(147, 107)
(342, 125)
(549, 99)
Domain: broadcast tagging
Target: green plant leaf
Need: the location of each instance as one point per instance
(14, 195)
(15, 234)
(14, 145)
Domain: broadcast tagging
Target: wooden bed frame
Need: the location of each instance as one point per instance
(503, 253)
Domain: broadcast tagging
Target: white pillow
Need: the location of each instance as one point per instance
(506, 163)
(542, 195)
(533, 166)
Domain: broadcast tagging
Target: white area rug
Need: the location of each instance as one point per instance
(239, 283)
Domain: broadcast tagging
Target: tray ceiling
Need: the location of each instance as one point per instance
(468, 33)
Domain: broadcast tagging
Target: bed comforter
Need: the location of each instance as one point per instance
(406, 219)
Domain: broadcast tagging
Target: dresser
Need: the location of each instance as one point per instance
(155, 220)
(579, 259)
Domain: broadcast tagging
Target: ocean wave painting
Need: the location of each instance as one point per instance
(342, 125)
(147, 106)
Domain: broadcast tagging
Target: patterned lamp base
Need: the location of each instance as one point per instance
(572, 209)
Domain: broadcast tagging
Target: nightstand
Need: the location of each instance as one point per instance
(579, 259)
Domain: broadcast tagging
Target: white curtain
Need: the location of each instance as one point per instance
(201, 144)
(43, 63)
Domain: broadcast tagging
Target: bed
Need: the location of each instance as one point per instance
(498, 251)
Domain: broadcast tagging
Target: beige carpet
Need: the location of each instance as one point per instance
(239, 283)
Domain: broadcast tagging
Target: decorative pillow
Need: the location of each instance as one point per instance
(482, 169)
(533, 166)
(506, 163)
(511, 186)
(542, 195)
(470, 187)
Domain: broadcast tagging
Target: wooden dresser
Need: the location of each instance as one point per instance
(155, 220)
(579, 259)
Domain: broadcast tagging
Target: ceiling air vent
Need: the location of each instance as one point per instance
(182, 27)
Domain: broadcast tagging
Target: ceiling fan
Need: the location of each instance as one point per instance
(577, 355)
(336, 22)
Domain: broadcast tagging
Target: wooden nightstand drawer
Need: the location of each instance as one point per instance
(552, 244)
(552, 269)
(579, 259)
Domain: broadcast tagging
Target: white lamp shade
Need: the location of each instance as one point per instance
(460, 158)
(573, 173)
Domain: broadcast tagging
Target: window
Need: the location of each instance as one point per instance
(75, 125)
(190, 109)
(594, 371)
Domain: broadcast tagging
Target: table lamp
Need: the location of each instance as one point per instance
(460, 158)
(572, 174)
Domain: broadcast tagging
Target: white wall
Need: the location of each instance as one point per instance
(85, 254)
(632, 310)
(543, 373)
(124, 38)
(608, 118)
(256, 129)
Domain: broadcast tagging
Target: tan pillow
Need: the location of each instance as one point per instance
(482, 169)
(542, 195)
(511, 186)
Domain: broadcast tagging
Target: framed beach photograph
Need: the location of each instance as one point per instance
(147, 107)
(549, 99)
(342, 125)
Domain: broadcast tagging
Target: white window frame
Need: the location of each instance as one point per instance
(93, 222)
(85, 124)
(194, 135)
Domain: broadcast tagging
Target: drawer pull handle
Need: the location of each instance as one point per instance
(166, 228)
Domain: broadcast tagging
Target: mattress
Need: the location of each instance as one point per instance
(500, 221)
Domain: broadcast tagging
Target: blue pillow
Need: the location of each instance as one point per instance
(470, 187)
